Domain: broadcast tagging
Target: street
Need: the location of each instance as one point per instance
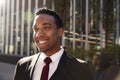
(6, 71)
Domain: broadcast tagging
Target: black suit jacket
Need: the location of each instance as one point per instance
(69, 68)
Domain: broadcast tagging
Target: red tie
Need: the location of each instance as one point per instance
(45, 71)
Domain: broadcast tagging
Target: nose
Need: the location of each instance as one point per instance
(39, 34)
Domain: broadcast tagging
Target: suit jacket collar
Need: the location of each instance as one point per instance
(63, 71)
(59, 74)
(33, 64)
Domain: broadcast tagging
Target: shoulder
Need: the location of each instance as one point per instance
(78, 68)
(27, 59)
(74, 60)
(77, 63)
(71, 59)
(81, 61)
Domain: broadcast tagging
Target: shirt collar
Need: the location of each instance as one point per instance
(54, 57)
(57, 55)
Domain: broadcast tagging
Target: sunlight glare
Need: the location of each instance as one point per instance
(2, 2)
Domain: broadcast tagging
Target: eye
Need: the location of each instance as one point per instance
(47, 28)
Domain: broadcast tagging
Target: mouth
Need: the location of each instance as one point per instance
(42, 42)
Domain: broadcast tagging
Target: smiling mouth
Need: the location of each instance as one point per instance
(42, 42)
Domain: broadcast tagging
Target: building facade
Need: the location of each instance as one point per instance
(83, 23)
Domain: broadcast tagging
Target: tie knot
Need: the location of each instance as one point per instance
(47, 60)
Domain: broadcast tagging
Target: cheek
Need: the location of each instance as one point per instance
(34, 36)
(53, 36)
(56, 37)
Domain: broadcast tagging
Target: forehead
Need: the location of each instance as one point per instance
(44, 17)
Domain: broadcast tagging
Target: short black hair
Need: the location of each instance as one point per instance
(57, 17)
(104, 60)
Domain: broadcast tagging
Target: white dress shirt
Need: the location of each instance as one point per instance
(52, 66)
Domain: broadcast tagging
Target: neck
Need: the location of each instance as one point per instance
(51, 52)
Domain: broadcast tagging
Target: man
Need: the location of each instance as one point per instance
(48, 30)
(101, 62)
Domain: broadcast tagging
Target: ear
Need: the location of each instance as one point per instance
(60, 32)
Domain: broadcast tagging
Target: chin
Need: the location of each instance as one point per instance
(43, 50)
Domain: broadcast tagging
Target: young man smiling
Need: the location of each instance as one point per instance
(48, 30)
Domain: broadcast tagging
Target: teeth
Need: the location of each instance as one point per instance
(41, 42)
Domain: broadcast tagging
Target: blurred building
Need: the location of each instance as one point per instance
(82, 28)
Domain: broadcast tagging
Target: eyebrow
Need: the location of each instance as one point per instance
(47, 24)
(34, 26)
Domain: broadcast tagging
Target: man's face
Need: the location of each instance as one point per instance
(46, 34)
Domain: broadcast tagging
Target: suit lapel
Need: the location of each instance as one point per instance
(60, 73)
